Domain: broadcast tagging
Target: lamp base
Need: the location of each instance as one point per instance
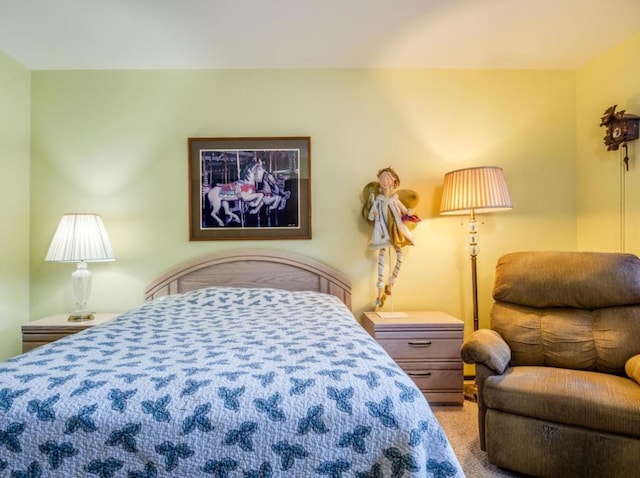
(76, 317)
(470, 391)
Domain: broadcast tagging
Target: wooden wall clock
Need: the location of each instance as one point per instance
(621, 127)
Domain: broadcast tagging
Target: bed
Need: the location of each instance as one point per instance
(240, 364)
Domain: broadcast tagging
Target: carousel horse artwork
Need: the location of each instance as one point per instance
(275, 197)
(392, 216)
(244, 190)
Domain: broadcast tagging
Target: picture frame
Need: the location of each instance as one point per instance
(249, 188)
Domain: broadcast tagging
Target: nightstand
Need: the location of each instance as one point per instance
(426, 344)
(54, 327)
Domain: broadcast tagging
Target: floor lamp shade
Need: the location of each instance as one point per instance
(80, 238)
(475, 190)
(470, 191)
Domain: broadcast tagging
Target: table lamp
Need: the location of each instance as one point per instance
(80, 238)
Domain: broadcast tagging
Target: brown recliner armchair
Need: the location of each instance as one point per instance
(558, 372)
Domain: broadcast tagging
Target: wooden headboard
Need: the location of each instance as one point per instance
(252, 268)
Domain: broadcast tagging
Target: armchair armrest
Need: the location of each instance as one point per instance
(487, 347)
(632, 368)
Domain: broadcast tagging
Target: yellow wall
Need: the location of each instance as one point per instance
(604, 187)
(14, 203)
(114, 143)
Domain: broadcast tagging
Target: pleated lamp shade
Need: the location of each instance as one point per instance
(475, 190)
(80, 238)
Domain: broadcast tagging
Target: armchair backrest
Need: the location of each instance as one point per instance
(578, 310)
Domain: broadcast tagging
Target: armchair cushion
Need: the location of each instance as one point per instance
(632, 368)
(485, 346)
(570, 338)
(573, 397)
(583, 280)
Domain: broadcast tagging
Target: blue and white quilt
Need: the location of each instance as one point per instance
(221, 382)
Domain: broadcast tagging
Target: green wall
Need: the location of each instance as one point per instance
(14, 203)
(115, 143)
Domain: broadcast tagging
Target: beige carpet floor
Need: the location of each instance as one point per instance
(461, 426)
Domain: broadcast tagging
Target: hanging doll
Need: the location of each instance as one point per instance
(390, 217)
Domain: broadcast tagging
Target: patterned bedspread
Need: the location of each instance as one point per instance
(219, 382)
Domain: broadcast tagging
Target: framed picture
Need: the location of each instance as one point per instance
(249, 188)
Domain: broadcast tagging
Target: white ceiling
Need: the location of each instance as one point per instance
(170, 34)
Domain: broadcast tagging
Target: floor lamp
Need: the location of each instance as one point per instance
(474, 191)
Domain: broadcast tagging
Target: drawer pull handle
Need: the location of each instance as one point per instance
(419, 374)
(420, 344)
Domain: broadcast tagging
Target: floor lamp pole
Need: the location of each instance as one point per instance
(474, 286)
(473, 252)
(470, 389)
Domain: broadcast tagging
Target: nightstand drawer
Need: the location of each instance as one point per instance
(422, 348)
(434, 376)
(32, 340)
(55, 327)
